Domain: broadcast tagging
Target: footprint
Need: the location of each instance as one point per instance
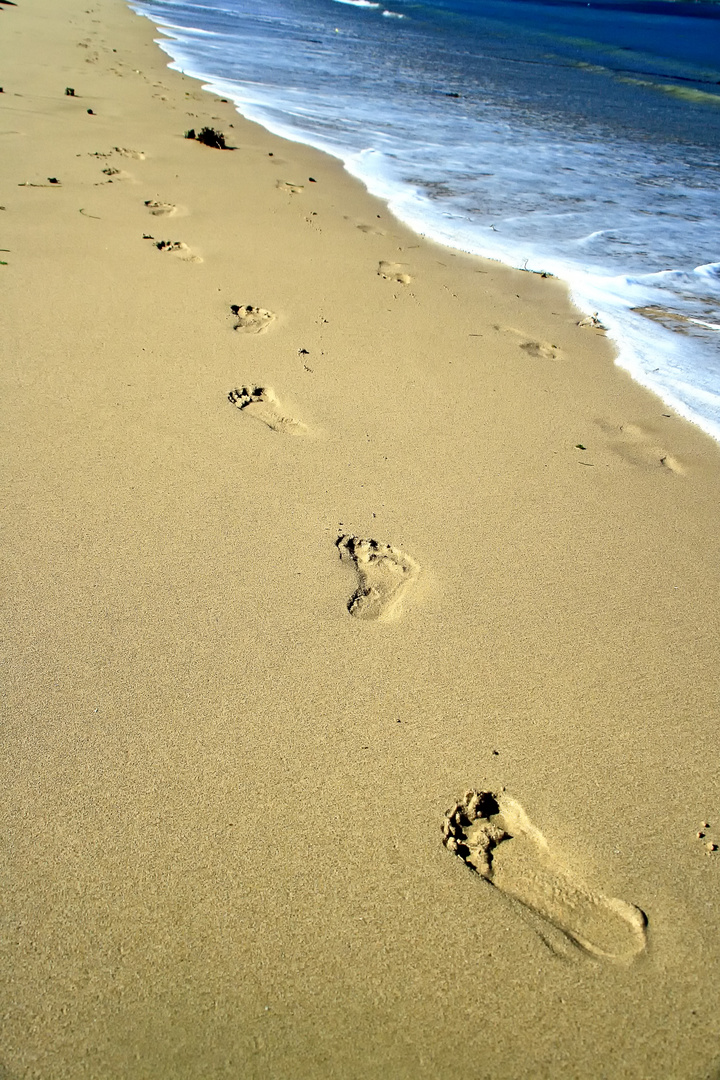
(384, 575)
(161, 209)
(493, 835)
(291, 189)
(639, 446)
(260, 402)
(251, 320)
(115, 174)
(372, 230)
(136, 155)
(391, 271)
(539, 350)
(176, 247)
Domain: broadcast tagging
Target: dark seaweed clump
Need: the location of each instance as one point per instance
(209, 137)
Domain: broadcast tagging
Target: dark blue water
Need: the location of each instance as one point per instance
(580, 139)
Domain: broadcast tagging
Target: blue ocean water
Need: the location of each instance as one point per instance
(579, 139)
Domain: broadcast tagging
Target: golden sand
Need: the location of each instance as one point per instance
(313, 527)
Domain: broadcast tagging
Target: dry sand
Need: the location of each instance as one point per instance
(257, 648)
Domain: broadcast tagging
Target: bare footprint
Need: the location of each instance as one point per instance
(177, 248)
(391, 271)
(372, 230)
(291, 189)
(493, 835)
(260, 402)
(252, 320)
(539, 350)
(384, 576)
(115, 174)
(161, 209)
(640, 446)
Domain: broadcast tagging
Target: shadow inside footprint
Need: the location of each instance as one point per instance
(260, 402)
(384, 575)
(493, 835)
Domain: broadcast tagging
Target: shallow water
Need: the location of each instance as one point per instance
(578, 139)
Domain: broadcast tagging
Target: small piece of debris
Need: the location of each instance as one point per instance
(53, 180)
(594, 321)
(69, 91)
(579, 446)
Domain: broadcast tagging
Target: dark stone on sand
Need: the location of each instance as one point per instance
(69, 92)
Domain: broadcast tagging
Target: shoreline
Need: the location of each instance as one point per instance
(648, 330)
(315, 526)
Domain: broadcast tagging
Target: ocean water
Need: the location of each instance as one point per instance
(578, 139)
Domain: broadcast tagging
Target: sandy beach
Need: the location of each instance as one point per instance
(360, 624)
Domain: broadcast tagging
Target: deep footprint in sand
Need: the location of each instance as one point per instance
(640, 446)
(161, 209)
(291, 189)
(177, 248)
(384, 576)
(115, 174)
(391, 271)
(493, 835)
(251, 320)
(261, 403)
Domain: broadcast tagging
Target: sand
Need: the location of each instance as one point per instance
(286, 582)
